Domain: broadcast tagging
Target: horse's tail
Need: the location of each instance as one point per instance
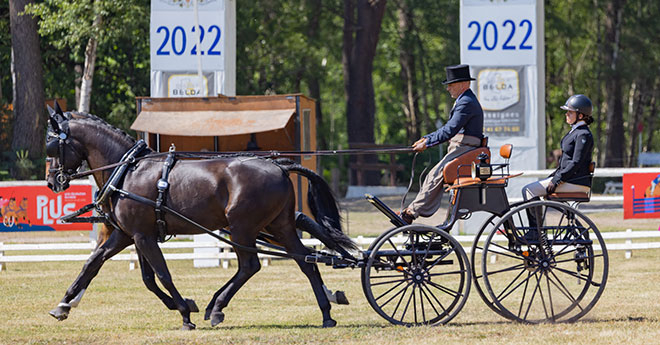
(322, 203)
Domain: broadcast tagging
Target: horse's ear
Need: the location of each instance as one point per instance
(51, 112)
(52, 118)
(58, 110)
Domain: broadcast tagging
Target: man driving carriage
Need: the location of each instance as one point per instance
(463, 130)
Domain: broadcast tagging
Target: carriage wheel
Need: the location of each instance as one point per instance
(416, 275)
(551, 271)
(475, 261)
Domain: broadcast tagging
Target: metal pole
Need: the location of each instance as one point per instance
(199, 50)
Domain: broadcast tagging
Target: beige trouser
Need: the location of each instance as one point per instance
(539, 188)
(427, 201)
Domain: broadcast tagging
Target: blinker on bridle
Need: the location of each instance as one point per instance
(60, 134)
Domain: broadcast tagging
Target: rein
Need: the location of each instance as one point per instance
(265, 154)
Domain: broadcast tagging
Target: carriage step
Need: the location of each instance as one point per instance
(380, 205)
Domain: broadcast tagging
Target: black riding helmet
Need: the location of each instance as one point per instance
(580, 103)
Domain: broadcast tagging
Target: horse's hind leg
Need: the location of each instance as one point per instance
(115, 243)
(293, 245)
(148, 246)
(248, 265)
(150, 282)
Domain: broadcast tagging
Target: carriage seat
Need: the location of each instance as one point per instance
(574, 196)
(463, 162)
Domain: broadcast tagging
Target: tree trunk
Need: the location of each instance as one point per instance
(599, 82)
(88, 73)
(313, 70)
(652, 115)
(410, 102)
(613, 88)
(358, 64)
(29, 112)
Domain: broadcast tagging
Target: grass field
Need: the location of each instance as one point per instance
(278, 306)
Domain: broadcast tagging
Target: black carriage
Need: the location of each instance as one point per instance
(538, 261)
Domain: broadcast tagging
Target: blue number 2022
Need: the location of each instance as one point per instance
(177, 49)
(507, 24)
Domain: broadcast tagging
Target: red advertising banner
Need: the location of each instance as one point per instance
(641, 195)
(37, 208)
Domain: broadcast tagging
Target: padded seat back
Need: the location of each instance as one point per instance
(450, 171)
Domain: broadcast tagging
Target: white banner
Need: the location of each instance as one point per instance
(181, 46)
(498, 33)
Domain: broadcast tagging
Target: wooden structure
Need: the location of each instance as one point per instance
(228, 124)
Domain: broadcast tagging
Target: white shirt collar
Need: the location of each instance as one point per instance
(577, 124)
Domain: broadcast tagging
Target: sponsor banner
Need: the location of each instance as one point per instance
(187, 85)
(501, 92)
(37, 208)
(641, 195)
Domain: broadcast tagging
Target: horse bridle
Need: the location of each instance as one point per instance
(61, 134)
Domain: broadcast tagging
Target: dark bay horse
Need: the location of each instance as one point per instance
(243, 194)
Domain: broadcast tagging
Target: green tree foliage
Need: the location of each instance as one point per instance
(288, 46)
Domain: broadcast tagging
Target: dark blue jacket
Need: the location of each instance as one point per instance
(466, 117)
(577, 148)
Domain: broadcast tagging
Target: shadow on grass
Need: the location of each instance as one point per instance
(285, 327)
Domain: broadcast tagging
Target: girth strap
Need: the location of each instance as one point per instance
(163, 186)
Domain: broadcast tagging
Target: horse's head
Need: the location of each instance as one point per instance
(65, 154)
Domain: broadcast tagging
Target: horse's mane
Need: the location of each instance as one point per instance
(80, 116)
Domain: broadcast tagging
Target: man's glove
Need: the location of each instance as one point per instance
(551, 187)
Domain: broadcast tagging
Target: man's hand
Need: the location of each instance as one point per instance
(419, 145)
(551, 187)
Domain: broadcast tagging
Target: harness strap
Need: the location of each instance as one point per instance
(163, 186)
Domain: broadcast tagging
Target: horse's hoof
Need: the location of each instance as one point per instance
(341, 297)
(216, 318)
(192, 305)
(188, 326)
(60, 313)
(329, 323)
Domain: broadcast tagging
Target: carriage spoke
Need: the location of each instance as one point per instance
(390, 290)
(573, 241)
(445, 289)
(531, 300)
(405, 310)
(574, 259)
(428, 247)
(573, 274)
(435, 298)
(446, 273)
(400, 299)
(538, 282)
(511, 283)
(391, 281)
(436, 261)
(565, 291)
(508, 269)
(552, 307)
(504, 254)
(421, 302)
(522, 302)
(414, 301)
(526, 280)
(421, 290)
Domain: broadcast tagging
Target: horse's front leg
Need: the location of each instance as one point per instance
(148, 246)
(115, 244)
(150, 282)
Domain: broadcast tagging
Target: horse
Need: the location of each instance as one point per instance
(246, 195)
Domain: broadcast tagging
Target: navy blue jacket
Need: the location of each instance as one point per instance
(577, 148)
(466, 117)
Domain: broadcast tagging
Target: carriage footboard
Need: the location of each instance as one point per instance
(380, 205)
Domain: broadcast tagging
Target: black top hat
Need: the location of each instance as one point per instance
(457, 73)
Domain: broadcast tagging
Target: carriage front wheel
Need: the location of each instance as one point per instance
(544, 261)
(416, 275)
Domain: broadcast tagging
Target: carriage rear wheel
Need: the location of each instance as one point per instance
(416, 275)
(544, 261)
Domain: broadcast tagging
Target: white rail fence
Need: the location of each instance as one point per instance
(224, 254)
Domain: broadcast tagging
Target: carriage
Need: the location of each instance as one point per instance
(537, 261)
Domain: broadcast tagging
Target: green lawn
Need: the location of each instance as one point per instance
(277, 306)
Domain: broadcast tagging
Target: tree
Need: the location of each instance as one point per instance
(362, 22)
(613, 84)
(29, 115)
